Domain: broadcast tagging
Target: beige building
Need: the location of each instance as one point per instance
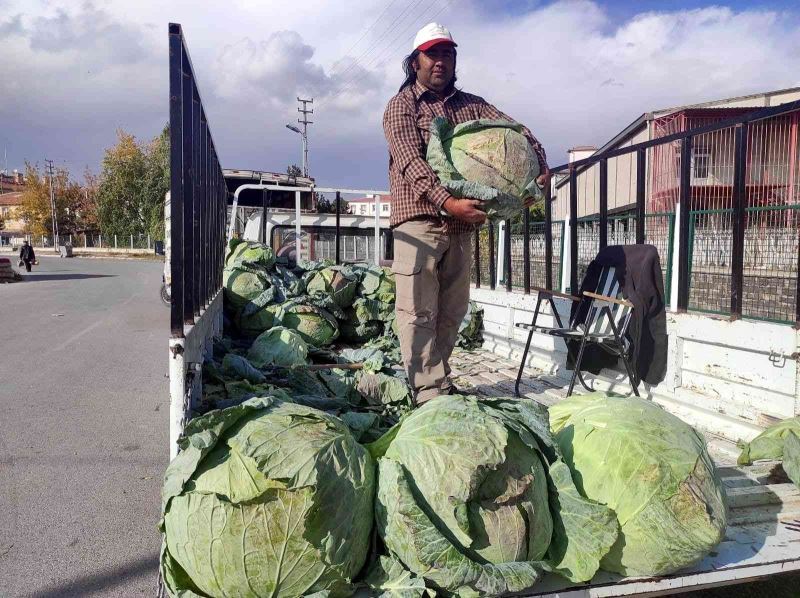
(14, 228)
(712, 159)
(365, 206)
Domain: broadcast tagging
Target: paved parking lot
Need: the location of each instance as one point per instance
(83, 428)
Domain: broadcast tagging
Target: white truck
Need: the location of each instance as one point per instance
(763, 538)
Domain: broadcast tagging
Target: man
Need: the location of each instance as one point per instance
(432, 248)
(26, 255)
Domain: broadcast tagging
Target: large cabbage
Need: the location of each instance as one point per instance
(335, 282)
(473, 497)
(489, 160)
(780, 442)
(314, 324)
(266, 498)
(243, 285)
(653, 470)
(243, 253)
(278, 346)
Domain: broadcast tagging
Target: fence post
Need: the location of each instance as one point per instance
(85, 240)
(683, 223)
(641, 182)
(526, 250)
(42, 241)
(115, 241)
(603, 203)
(507, 255)
(573, 230)
(131, 241)
(739, 218)
(548, 238)
(148, 241)
(492, 271)
(477, 257)
(101, 241)
(338, 228)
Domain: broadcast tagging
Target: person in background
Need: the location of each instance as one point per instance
(26, 255)
(431, 228)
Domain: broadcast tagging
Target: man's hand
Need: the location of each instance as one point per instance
(543, 180)
(466, 210)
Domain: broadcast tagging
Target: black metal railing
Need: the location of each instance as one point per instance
(738, 294)
(198, 197)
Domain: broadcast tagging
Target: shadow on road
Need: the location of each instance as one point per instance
(103, 582)
(42, 277)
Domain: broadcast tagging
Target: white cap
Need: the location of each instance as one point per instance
(430, 35)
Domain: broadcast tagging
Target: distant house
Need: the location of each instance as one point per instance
(14, 228)
(11, 182)
(365, 206)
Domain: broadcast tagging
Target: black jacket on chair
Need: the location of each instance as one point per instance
(638, 270)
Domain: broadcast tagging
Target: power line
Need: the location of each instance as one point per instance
(366, 31)
(390, 48)
(380, 38)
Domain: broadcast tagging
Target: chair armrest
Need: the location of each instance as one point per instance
(624, 302)
(542, 291)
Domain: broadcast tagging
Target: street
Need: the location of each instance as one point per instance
(83, 428)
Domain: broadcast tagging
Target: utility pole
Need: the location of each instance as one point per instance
(53, 216)
(305, 122)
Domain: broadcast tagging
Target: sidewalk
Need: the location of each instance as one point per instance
(105, 252)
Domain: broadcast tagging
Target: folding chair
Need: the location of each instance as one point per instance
(601, 318)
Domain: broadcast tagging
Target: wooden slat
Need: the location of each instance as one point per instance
(624, 302)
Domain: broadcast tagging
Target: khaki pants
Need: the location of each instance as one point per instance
(432, 274)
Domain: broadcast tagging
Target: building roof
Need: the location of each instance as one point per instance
(11, 199)
(710, 107)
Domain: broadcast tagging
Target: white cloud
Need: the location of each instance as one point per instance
(565, 69)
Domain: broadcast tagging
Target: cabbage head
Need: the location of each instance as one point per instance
(769, 444)
(249, 254)
(489, 160)
(267, 498)
(780, 442)
(472, 497)
(254, 319)
(365, 320)
(336, 282)
(653, 470)
(243, 285)
(278, 346)
(378, 284)
(314, 324)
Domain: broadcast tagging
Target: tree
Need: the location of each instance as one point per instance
(156, 183)
(133, 182)
(294, 171)
(325, 205)
(35, 209)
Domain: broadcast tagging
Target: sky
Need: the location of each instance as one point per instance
(576, 72)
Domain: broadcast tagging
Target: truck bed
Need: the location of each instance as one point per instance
(763, 536)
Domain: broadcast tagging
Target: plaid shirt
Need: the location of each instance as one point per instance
(415, 188)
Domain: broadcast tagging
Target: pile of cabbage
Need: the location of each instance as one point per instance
(468, 496)
(299, 482)
(489, 160)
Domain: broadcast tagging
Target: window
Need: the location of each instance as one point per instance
(701, 163)
(362, 209)
(384, 208)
